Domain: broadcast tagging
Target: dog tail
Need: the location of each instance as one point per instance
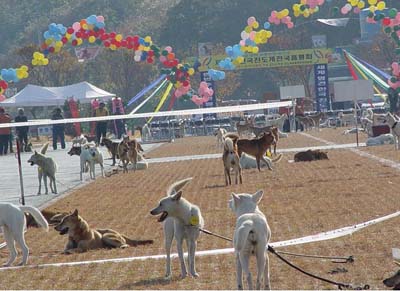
(37, 215)
(233, 136)
(135, 243)
(277, 159)
(139, 147)
(174, 188)
(229, 144)
(243, 234)
(44, 148)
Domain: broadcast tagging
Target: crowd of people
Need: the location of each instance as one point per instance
(58, 130)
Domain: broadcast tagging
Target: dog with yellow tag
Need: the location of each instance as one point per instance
(183, 220)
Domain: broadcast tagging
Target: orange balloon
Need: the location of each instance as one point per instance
(171, 56)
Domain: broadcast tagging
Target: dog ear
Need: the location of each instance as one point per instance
(257, 196)
(235, 197)
(177, 196)
(75, 213)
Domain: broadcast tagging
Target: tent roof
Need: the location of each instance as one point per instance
(33, 95)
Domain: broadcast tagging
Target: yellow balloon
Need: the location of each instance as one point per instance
(36, 55)
(296, 13)
(240, 59)
(285, 12)
(191, 72)
(45, 62)
(361, 5)
(118, 37)
(296, 8)
(255, 50)
(26, 75)
(58, 44)
(34, 62)
(20, 74)
(353, 2)
(306, 13)
(248, 29)
(68, 36)
(24, 68)
(57, 49)
(256, 24)
(147, 39)
(372, 2)
(372, 8)
(92, 39)
(381, 5)
(303, 2)
(48, 41)
(113, 47)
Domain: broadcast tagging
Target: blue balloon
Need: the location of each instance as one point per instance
(92, 19)
(267, 25)
(46, 35)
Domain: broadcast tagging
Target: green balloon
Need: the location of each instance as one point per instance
(388, 30)
(164, 53)
(392, 13)
(393, 79)
(398, 90)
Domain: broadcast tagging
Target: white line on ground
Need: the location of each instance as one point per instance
(336, 233)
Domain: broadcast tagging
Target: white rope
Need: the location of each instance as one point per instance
(336, 233)
(224, 109)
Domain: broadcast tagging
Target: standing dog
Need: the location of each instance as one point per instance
(122, 150)
(394, 124)
(230, 157)
(256, 147)
(90, 155)
(219, 133)
(47, 167)
(12, 220)
(112, 147)
(133, 152)
(251, 237)
(182, 219)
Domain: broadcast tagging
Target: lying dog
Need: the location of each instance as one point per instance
(382, 139)
(393, 281)
(47, 167)
(251, 237)
(230, 158)
(82, 238)
(310, 155)
(248, 162)
(12, 220)
(182, 219)
(256, 147)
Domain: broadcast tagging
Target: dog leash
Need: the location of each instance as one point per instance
(340, 285)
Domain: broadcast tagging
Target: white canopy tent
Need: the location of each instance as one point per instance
(33, 95)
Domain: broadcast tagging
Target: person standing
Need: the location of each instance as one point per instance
(58, 129)
(101, 126)
(4, 132)
(22, 132)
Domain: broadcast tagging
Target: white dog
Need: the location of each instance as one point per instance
(249, 162)
(90, 155)
(380, 140)
(13, 222)
(47, 167)
(183, 219)
(394, 125)
(219, 133)
(251, 237)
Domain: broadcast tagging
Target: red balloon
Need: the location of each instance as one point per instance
(136, 39)
(150, 53)
(386, 21)
(185, 83)
(44, 46)
(112, 35)
(70, 30)
(64, 40)
(74, 42)
(107, 44)
(101, 31)
(51, 49)
(104, 36)
(3, 84)
(78, 34)
(150, 60)
(124, 43)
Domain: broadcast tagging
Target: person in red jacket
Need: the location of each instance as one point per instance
(4, 132)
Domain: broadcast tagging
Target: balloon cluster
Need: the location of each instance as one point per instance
(3, 87)
(306, 8)
(251, 37)
(39, 59)
(353, 5)
(216, 75)
(281, 17)
(205, 94)
(13, 75)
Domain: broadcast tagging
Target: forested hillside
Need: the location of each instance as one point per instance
(179, 23)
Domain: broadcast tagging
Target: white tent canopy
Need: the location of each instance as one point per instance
(33, 95)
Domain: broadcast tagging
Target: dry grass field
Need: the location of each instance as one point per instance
(300, 199)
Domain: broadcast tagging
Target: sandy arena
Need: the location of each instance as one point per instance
(300, 199)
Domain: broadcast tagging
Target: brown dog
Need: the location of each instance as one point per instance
(310, 155)
(82, 238)
(256, 147)
(134, 149)
(112, 147)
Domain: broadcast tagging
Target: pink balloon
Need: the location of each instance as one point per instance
(76, 26)
(274, 14)
(251, 20)
(356, 10)
(370, 20)
(321, 2)
(168, 49)
(290, 25)
(252, 35)
(242, 42)
(2, 98)
(163, 59)
(178, 93)
(100, 18)
(196, 100)
(344, 10)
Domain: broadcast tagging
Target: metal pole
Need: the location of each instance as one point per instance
(293, 129)
(21, 181)
(356, 119)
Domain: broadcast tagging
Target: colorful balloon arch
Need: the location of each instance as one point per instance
(92, 30)
(255, 34)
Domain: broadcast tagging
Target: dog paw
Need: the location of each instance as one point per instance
(195, 275)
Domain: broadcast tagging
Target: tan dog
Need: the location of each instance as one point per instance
(133, 152)
(123, 149)
(230, 157)
(256, 147)
(82, 238)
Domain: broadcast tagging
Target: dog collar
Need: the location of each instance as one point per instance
(394, 125)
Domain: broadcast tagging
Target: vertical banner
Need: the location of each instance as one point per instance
(321, 86)
(213, 100)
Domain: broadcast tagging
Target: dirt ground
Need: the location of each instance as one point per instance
(299, 199)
